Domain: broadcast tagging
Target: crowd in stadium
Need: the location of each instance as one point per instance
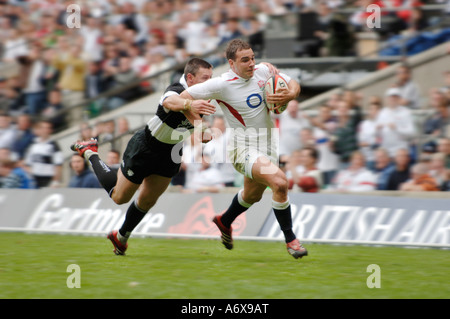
(120, 41)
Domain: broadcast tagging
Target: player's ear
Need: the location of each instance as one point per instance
(189, 77)
(231, 63)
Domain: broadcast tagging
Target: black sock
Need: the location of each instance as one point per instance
(105, 174)
(235, 209)
(132, 219)
(284, 218)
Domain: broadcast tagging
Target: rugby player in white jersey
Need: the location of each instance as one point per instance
(239, 92)
(149, 162)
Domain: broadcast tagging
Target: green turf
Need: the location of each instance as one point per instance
(35, 266)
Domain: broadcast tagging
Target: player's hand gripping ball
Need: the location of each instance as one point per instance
(272, 85)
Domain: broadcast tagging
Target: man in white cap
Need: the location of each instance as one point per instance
(395, 123)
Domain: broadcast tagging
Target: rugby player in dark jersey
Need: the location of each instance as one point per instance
(148, 161)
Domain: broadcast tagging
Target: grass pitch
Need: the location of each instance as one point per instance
(36, 266)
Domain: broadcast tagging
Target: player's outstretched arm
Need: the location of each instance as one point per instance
(184, 102)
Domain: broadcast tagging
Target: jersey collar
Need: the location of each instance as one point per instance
(183, 82)
(235, 76)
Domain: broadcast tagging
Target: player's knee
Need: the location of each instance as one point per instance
(279, 185)
(120, 199)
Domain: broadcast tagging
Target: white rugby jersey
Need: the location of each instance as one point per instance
(241, 100)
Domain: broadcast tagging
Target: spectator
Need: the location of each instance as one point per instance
(382, 168)
(328, 161)
(24, 135)
(193, 32)
(155, 63)
(353, 100)
(401, 172)
(92, 35)
(11, 98)
(307, 137)
(409, 90)
(121, 76)
(84, 177)
(420, 180)
(325, 120)
(443, 146)
(291, 122)
(51, 75)
(232, 30)
(44, 158)
(302, 170)
(72, 70)
(52, 111)
(191, 161)
(86, 132)
(438, 171)
(95, 83)
(207, 179)
(367, 134)
(34, 91)
(132, 19)
(344, 141)
(7, 131)
(334, 100)
(12, 176)
(356, 178)
(113, 159)
(323, 19)
(15, 46)
(395, 123)
(125, 133)
(437, 124)
(216, 149)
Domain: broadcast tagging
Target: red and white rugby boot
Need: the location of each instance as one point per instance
(82, 146)
(119, 247)
(227, 238)
(296, 250)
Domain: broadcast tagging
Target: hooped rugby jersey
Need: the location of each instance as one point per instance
(168, 126)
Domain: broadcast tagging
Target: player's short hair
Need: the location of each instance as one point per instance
(194, 65)
(234, 46)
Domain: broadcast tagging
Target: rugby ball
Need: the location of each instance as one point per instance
(271, 86)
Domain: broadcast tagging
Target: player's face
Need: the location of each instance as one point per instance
(244, 65)
(201, 76)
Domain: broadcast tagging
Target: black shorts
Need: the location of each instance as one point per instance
(145, 156)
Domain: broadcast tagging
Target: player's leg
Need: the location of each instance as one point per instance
(243, 200)
(89, 151)
(151, 189)
(123, 190)
(267, 173)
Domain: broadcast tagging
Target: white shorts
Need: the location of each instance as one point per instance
(244, 158)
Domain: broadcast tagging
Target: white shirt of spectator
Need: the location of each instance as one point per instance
(217, 151)
(361, 180)
(210, 177)
(368, 134)
(395, 139)
(290, 132)
(314, 173)
(328, 160)
(410, 91)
